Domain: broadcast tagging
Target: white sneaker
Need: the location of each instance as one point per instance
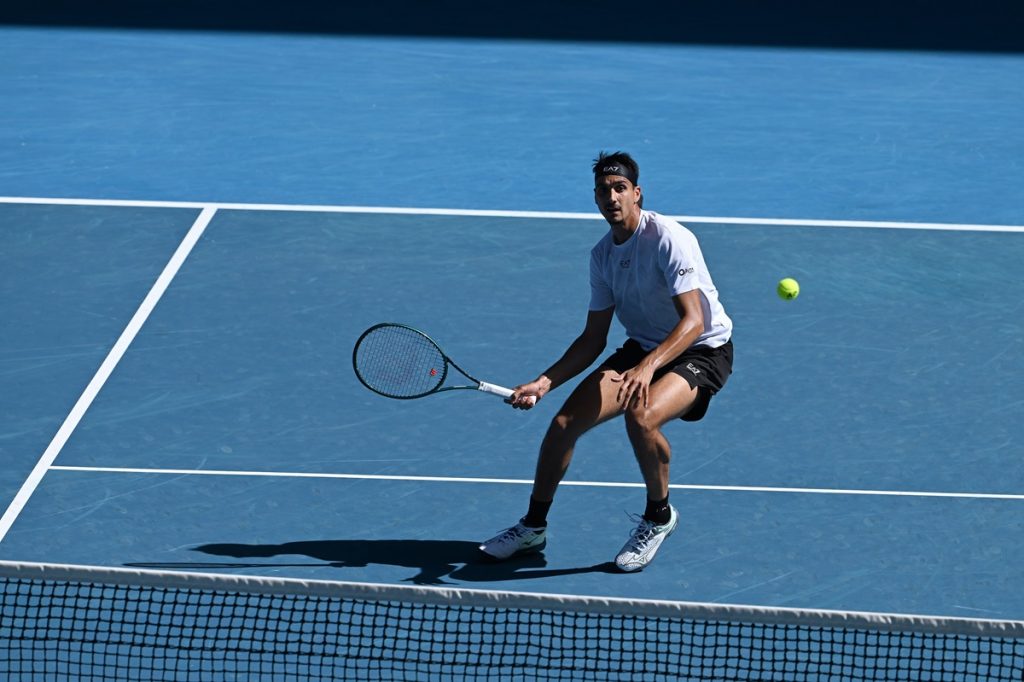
(644, 542)
(518, 539)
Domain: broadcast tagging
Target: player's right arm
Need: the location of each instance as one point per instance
(580, 355)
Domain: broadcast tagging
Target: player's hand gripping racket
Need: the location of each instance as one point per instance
(397, 361)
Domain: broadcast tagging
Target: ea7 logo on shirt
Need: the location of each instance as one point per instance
(624, 263)
(684, 271)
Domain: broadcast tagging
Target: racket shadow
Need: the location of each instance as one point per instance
(433, 560)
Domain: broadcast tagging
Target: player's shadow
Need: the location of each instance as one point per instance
(434, 560)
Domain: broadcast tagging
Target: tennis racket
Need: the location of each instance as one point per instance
(398, 361)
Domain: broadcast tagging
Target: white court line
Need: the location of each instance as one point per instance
(518, 481)
(105, 370)
(208, 209)
(535, 215)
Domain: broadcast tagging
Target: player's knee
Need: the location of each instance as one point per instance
(640, 419)
(562, 429)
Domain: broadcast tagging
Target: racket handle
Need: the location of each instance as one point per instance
(495, 390)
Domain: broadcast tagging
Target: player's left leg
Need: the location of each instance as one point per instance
(670, 397)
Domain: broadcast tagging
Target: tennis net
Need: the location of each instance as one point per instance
(60, 622)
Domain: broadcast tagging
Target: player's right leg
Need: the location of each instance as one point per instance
(594, 401)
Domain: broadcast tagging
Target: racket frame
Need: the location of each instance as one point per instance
(478, 385)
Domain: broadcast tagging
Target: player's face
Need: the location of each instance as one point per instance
(616, 198)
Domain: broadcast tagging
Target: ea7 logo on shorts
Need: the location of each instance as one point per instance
(684, 271)
(693, 369)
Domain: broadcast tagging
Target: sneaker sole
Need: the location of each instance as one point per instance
(526, 550)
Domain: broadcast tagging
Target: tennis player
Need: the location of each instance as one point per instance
(649, 272)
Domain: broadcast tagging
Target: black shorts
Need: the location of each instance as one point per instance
(705, 369)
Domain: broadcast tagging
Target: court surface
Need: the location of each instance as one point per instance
(177, 384)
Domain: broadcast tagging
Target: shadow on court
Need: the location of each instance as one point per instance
(434, 560)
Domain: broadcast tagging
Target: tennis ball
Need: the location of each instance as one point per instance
(788, 289)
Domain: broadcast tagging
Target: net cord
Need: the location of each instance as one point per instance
(883, 622)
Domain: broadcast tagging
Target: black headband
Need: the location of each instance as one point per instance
(616, 169)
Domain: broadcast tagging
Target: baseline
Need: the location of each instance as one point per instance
(485, 213)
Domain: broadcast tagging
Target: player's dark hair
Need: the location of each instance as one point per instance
(629, 165)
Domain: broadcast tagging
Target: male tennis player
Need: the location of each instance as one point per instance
(650, 272)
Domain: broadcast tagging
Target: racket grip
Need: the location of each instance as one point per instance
(495, 390)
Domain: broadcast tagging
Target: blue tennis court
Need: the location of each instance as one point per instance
(192, 243)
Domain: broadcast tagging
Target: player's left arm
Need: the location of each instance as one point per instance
(636, 382)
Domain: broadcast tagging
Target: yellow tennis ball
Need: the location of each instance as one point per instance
(788, 289)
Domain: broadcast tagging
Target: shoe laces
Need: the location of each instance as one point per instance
(642, 534)
(514, 533)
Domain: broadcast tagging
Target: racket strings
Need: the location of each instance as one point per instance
(399, 362)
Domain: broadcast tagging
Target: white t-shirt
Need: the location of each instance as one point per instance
(640, 276)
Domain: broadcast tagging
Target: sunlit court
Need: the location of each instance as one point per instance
(204, 479)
